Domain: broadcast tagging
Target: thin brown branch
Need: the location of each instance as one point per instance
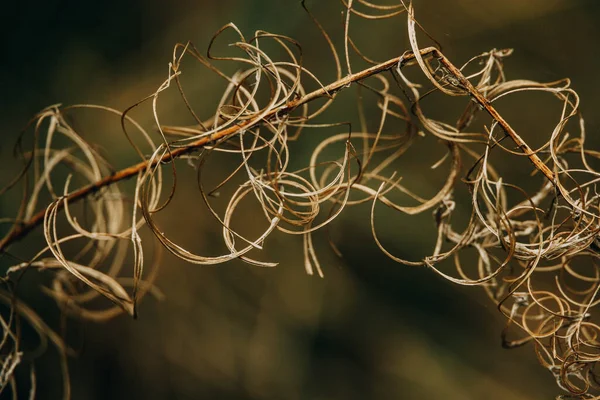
(478, 97)
(21, 230)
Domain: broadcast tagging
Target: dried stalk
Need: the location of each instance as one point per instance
(520, 247)
(22, 229)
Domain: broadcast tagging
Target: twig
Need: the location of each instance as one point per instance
(478, 97)
(21, 230)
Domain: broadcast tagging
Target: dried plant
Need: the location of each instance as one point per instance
(534, 252)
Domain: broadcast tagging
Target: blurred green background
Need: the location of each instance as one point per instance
(371, 329)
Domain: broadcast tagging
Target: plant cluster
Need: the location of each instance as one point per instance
(535, 252)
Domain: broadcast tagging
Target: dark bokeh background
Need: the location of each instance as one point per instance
(371, 328)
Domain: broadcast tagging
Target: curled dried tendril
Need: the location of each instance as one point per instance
(535, 252)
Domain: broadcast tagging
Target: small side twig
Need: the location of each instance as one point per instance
(485, 104)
